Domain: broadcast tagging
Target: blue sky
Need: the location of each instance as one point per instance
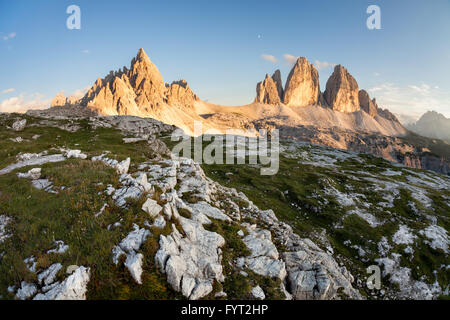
(218, 46)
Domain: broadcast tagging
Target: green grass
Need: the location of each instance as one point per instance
(39, 218)
(296, 194)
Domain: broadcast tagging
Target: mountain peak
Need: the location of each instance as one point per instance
(139, 90)
(433, 125)
(267, 91)
(302, 85)
(342, 91)
(301, 60)
(141, 55)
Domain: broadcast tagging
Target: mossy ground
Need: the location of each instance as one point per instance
(39, 218)
(297, 196)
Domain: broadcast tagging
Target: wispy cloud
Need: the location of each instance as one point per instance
(323, 64)
(269, 57)
(23, 103)
(423, 89)
(7, 91)
(85, 51)
(413, 100)
(9, 36)
(289, 58)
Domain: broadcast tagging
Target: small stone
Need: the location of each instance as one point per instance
(26, 291)
(258, 293)
(152, 208)
(143, 181)
(32, 174)
(123, 166)
(19, 125)
(70, 269)
(73, 287)
(75, 154)
(134, 265)
(48, 276)
(220, 294)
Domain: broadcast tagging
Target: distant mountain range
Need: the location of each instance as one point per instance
(433, 125)
(141, 91)
(343, 116)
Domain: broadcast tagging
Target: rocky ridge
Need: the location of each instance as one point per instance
(302, 89)
(139, 90)
(190, 255)
(191, 251)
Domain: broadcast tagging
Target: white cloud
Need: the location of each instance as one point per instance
(7, 91)
(423, 89)
(85, 51)
(412, 100)
(10, 36)
(23, 103)
(323, 64)
(269, 58)
(289, 58)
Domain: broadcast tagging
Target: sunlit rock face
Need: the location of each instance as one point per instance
(268, 91)
(369, 106)
(135, 91)
(342, 91)
(302, 85)
(58, 100)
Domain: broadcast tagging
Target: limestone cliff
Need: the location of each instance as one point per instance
(268, 91)
(139, 90)
(302, 85)
(342, 91)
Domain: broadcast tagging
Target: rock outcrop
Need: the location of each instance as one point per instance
(302, 85)
(73, 287)
(180, 94)
(385, 113)
(369, 106)
(59, 100)
(267, 91)
(342, 91)
(19, 125)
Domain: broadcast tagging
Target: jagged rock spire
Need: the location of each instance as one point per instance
(302, 85)
(369, 106)
(342, 91)
(138, 90)
(267, 91)
(276, 77)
